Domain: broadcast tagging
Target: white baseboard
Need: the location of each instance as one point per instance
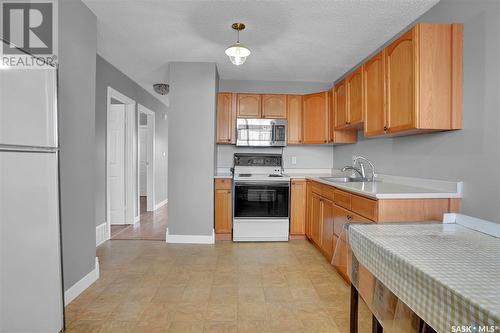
(101, 233)
(84, 283)
(190, 239)
(161, 204)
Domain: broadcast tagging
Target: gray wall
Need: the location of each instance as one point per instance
(109, 76)
(273, 87)
(193, 88)
(471, 154)
(77, 49)
(307, 156)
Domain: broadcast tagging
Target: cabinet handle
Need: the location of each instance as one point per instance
(385, 128)
(349, 217)
(325, 141)
(348, 122)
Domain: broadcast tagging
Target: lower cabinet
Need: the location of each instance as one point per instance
(327, 228)
(223, 208)
(298, 204)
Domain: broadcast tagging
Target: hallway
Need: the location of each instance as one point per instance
(227, 287)
(152, 225)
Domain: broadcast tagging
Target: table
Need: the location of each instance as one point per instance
(447, 274)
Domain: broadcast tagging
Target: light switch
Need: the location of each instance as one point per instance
(294, 160)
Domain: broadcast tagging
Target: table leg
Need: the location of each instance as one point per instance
(376, 327)
(424, 328)
(354, 310)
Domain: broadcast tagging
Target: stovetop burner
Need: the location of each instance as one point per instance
(275, 175)
(245, 175)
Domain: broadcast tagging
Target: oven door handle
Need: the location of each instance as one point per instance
(262, 183)
(273, 132)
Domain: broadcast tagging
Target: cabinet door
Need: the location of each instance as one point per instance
(274, 106)
(374, 96)
(248, 105)
(343, 216)
(355, 98)
(400, 66)
(298, 207)
(338, 136)
(340, 105)
(294, 116)
(316, 218)
(223, 211)
(225, 118)
(315, 118)
(327, 229)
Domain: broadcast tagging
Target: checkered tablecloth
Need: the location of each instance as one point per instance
(447, 274)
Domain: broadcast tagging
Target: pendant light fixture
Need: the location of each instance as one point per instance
(238, 52)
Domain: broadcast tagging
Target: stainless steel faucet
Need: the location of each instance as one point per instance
(361, 171)
(360, 160)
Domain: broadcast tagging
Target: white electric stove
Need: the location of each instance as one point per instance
(261, 198)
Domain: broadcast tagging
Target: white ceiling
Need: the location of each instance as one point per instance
(296, 40)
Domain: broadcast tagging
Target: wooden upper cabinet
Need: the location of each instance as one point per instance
(248, 105)
(294, 117)
(400, 63)
(274, 106)
(341, 105)
(354, 85)
(424, 79)
(374, 105)
(315, 129)
(226, 118)
(337, 136)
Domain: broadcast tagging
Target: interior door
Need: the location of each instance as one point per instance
(116, 163)
(143, 160)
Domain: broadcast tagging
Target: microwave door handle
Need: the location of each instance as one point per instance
(273, 132)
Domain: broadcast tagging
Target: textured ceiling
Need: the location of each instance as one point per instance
(296, 40)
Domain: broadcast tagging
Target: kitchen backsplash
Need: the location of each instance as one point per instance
(295, 157)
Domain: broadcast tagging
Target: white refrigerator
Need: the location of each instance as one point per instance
(31, 292)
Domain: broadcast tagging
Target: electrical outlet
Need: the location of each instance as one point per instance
(294, 160)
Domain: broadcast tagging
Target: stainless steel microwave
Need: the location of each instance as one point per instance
(261, 132)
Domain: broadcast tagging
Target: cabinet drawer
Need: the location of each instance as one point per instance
(342, 199)
(223, 183)
(364, 207)
(317, 188)
(328, 192)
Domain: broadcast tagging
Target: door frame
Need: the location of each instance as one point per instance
(130, 156)
(150, 156)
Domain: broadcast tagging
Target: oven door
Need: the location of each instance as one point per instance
(256, 200)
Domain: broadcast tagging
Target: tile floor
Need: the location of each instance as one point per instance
(152, 225)
(153, 287)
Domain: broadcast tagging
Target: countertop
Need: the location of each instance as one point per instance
(390, 187)
(385, 186)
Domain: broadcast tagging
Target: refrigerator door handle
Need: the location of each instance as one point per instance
(28, 149)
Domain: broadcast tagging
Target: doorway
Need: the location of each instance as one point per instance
(121, 199)
(146, 161)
